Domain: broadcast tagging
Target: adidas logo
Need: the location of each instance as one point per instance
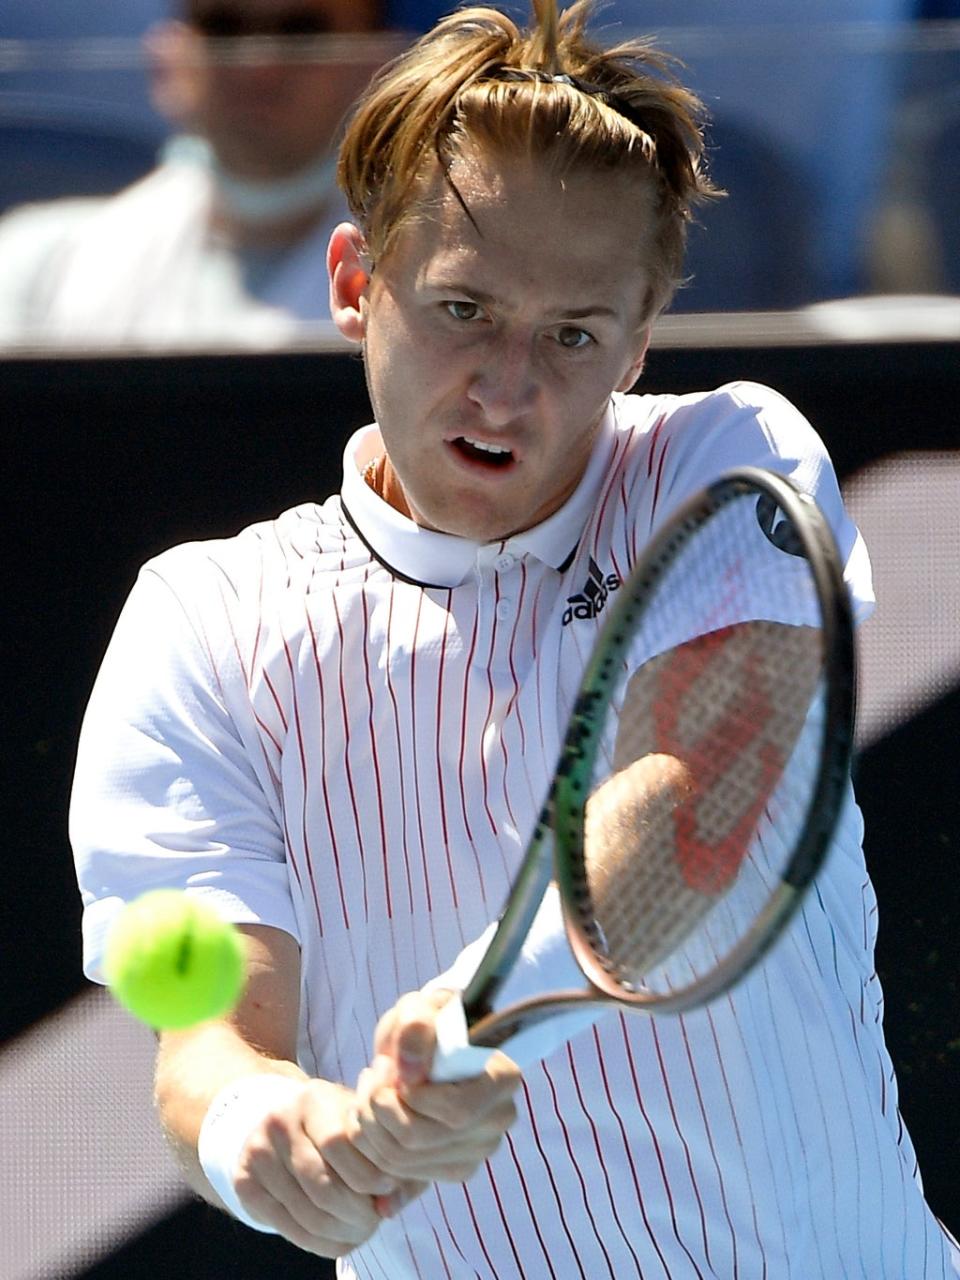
(590, 600)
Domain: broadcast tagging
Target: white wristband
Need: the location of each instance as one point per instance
(230, 1119)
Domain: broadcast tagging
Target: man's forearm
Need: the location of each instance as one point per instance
(192, 1068)
(260, 1037)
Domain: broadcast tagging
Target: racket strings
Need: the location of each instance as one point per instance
(698, 744)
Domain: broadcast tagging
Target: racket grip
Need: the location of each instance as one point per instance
(455, 1058)
(545, 964)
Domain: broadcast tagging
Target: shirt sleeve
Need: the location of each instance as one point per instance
(747, 424)
(170, 789)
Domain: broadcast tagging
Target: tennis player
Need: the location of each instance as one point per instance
(339, 727)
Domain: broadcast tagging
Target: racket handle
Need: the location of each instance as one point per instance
(538, 1034)
(545, 964)
(455, 1058)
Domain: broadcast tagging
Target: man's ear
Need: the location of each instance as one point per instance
(348, 268)
(636, 365)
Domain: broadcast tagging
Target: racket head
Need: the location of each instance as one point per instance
(670, 921)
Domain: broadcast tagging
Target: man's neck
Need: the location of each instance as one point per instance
(258, 213)
(382, 479)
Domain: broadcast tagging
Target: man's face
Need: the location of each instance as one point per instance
(492, 346)
(269, 117)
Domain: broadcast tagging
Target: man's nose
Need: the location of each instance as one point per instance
(505, 386)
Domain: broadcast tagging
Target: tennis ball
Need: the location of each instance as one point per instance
(172, 961)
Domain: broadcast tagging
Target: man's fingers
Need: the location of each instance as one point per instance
(464, 1100)
(431, 1116)
(426, 1150)
(348, 1161)
(271, 1193)
(407, 1144)
(406, 1193)
(407, 1035)
(278, 1216)
(281, 1167)
(410, 1126)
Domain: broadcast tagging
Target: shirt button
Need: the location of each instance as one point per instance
(505, 562)
(504, 609)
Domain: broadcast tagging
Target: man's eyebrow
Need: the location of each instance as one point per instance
(457, 287)
(595, 309)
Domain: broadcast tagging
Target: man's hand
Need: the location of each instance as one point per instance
(302, 1172)
(328, 1167)
(410, 1127)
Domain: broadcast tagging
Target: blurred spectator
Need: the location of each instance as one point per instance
(225, 241)
(834, 190)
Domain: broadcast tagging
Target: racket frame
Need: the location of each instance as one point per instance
(556, 849)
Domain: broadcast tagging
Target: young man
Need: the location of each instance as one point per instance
(340, 726)
(225, 241)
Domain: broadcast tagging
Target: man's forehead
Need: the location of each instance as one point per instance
(488, 179)
(514, 243)
(484, 178)
(480, 201)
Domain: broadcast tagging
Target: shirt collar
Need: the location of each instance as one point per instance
(446, 560)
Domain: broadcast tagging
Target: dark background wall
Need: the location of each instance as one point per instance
(111, 460)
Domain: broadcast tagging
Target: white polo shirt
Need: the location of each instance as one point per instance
(147, 267)
(343, 725)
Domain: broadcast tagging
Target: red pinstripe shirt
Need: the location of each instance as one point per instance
(344, 726)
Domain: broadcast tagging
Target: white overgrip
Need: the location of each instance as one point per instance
(545, 964)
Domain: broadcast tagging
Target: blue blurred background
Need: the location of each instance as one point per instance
(836, 130)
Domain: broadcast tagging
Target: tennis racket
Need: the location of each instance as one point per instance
(703, 771)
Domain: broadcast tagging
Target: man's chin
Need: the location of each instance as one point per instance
(476, 526)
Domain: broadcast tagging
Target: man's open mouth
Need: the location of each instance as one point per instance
(491, 455)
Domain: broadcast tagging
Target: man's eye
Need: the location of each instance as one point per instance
(573, 338)
(463, 310)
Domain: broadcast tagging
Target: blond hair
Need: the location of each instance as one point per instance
(548, 91)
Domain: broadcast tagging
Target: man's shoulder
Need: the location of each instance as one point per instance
(643, 406)
(676, 444)
(262, 558)
(240, 551)
(33, 236)
(725, 413)
(45, 222)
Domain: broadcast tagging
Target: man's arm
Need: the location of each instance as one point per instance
(326, 1165)
(259, 1037)
(297, 1172)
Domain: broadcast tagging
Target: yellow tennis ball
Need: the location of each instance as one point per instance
(172, 961)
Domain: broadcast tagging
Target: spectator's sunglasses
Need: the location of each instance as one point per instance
(226, 21)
